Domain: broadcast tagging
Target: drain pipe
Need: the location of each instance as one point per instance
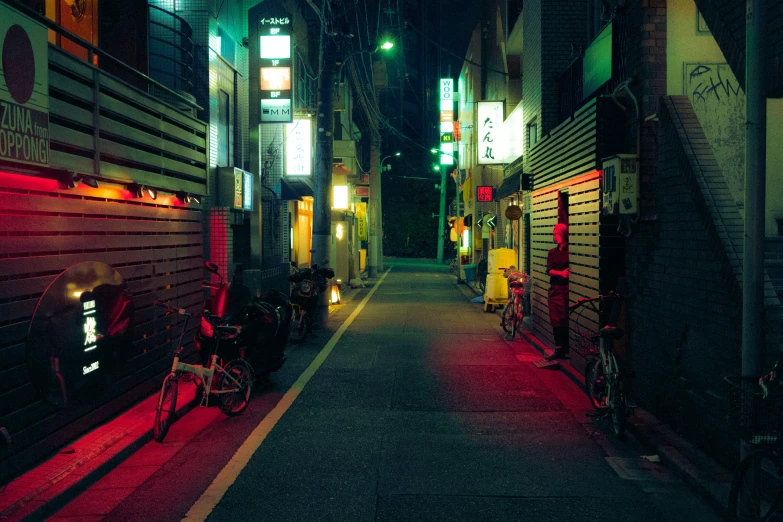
(755, 186)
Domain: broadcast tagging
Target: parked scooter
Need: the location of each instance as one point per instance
(262, 322)
(307, 284)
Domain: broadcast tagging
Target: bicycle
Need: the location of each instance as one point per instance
(604, 379)
(481, 275)
(756, 409)
(232, 384)
(511, 319)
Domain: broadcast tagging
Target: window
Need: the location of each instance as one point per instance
(224, 129)
(532, 133)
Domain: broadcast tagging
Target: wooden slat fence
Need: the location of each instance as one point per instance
(158, 250)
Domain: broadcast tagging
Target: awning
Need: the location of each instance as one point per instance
(294, 190)
(511, 185)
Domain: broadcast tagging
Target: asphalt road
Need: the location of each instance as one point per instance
(422, 411)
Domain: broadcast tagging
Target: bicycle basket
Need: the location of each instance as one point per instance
(758, 420)
(585, 340)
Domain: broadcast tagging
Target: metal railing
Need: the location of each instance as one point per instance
(117, 67)
(170, 50)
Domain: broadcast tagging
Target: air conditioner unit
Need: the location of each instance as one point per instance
(620, 187)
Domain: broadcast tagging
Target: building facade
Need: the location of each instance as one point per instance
(653, 90)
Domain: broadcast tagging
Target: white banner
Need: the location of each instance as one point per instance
(490, 136)
(298, 149)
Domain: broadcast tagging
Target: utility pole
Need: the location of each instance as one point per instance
(374, 212)
(755, 179)
(324, 148)
(442, 213)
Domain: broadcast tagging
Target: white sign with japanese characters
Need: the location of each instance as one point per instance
(298, 157)
(489, 125)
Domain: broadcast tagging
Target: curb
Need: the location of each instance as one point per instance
(697, 470)
(60, 490)
(705, 476)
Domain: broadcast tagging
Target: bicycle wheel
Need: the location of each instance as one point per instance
(167, 408)
(516, 317)
(300, 325)
(595, 384)
(506, 318)
(236, 395)
(756, 491)
(619, 413)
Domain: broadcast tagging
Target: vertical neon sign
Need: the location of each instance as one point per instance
(276, 69)
(89, 326)
(446, 121)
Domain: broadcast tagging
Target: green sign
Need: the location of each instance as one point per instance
(597, 64)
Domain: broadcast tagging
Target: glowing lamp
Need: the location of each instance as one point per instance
(335, 294)
(465, 238)
(340, 197)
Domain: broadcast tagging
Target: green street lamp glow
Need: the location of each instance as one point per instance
(398, 153)
(434, 151)
(436, 168)
(387, 45)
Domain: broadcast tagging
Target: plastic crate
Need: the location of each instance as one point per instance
(759, 420)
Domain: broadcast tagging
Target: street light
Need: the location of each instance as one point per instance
(389, 156)
(385, 46)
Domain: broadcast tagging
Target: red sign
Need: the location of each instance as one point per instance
(365, 179)
(484, 193)
(362, 192)
(446, 116)
(457, 131)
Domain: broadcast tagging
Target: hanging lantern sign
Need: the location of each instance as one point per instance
(513, 212)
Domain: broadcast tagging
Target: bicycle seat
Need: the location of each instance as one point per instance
(231, 330)
(612, 332)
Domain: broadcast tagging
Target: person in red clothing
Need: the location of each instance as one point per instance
(557, 269)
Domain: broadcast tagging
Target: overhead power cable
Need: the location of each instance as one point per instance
(439, 46)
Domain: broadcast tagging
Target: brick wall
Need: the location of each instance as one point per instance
(684, 308)
(646, 58)
(562, 24)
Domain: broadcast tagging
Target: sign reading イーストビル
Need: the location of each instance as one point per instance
(275, 67)
(489, 124)
(24, 89)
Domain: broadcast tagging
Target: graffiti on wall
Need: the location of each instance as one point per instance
(719, 103)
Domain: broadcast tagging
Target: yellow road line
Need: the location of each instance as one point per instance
(228, 475)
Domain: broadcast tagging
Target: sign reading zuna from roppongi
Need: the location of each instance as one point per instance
(276, 79)
(24, 89)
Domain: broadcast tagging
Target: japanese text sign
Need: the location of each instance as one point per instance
(484, 193)
(490, 132)
(298, 156)
(275, 68)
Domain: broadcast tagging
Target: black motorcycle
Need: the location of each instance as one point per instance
(262, 322)
(307, 284)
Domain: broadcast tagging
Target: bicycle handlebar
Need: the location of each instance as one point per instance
(584, 300)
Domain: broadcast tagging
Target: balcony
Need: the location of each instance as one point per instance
(121, 126)
(599, 70)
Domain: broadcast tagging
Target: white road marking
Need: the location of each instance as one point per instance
(228, 475)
